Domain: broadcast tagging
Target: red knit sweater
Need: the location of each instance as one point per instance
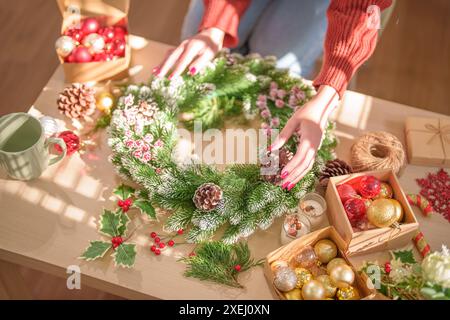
(349, 40)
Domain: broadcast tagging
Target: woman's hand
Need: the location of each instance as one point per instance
(193, 53)
(309, 122)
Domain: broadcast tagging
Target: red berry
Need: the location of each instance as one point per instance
(157, 252)
(237, 267)
(387, 267)
(157, 240)
(192, 254)
(171, 243)
(116, 241)
(125, 208)
(180, 231)
(129, 202)
(153, 248)
(153, 235)
(162, 245)
(120, 203)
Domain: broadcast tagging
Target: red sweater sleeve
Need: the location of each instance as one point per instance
(349, 41)
(225, 15)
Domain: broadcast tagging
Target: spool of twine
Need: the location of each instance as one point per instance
(377, 151)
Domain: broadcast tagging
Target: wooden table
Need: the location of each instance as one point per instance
(47, 223)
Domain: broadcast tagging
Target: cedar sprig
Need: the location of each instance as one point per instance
(217, 262)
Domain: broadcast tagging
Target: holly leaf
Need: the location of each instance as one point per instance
(146, 207)
(124, 191)
(405, 256)
(125, 255)
(124, 221)
(110, 223)
(96, 250)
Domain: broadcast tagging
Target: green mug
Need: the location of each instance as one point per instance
(24, 149)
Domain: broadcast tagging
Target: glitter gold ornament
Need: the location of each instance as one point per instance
(342, 276)
(330, 289)
(348, 293)
(278, 264)
(313, 290)
(285, 279)
(105, 102)
(333, 263)
(382, 213)
(325, 250)
(306, 258)
(303, 276)
(64, 46)
(318, 270)
(385, 191)
(295, 294)
(398, 210)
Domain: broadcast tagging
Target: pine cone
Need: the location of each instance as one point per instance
(77, 101)
(334, 168)
(208, 197)
(283, 157)
(147, 111)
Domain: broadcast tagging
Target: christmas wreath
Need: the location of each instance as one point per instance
(200, 198)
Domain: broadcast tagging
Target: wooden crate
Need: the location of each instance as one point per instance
(376, 239)
(289, 251)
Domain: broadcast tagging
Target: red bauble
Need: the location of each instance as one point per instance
(107, 33)
(75, 34)
(72, 142)
(70, 58)
(120, 32)
(355, 209)
(82, 54)
(369, 187)
(346, 192)
(99, 57)
(119, 46)
(90, 25)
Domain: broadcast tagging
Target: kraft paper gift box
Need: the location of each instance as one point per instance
(428, 141)
(288, 252)
(114, 11)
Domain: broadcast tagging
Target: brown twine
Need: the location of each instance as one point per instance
(377, 151)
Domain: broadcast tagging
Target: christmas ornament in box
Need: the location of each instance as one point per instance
(428, 141)
(94, 41)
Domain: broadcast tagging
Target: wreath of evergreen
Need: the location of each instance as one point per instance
(143, 135)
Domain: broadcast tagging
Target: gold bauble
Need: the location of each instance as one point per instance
(306, 258)
(313, 290)
(385, 191)
(285, 279)
(342, 275)
(105, 101)
(330, 289)
(278, 264)
(398, 210)
(325, 250)
(348, 293)
(318, 270)
(295, 294)
(335, 262)
(303, 276)
(382, 213)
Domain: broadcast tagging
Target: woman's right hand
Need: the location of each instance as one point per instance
(194, 53)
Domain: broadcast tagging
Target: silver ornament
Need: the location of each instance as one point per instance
(49, 125)
(94, 42)
(285, 279)
(64, 46)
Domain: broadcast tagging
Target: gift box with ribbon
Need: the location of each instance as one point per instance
(428, 141)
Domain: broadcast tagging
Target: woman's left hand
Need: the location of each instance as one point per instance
(309, 122)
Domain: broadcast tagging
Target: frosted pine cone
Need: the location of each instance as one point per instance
(147, 111)
(77, 101)
(273, 175)
(334, 168)
(207, 197)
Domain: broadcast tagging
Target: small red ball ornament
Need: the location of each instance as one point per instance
(157, 239)
(107, 33)
(82, 54)
(180, 231)
(153, 248)
(119, 47)
(157, 252)
(153, 235)
(71, 140)
(90, 25)
(369, 187)
(355, 209)
(346, 192)
(75, 34)
(171, 243)
(162, 245)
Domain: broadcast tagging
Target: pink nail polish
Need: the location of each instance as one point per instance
(290, 186)
(193, 71)
(284, 174)
(285, 185)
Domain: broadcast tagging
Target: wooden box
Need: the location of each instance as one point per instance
(375, 239)
(289, 251)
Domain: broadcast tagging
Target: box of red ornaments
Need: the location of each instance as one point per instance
(315, 267)
(94, 41)
(370, 211)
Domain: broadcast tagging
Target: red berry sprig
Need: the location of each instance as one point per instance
(116, 241)
(387, 267)
(159, 244)
(125, 204)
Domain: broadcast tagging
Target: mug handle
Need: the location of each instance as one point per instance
(62, 144)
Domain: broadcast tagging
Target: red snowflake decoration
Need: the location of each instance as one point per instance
(436, 189)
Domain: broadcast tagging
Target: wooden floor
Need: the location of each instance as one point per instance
(411, 65)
